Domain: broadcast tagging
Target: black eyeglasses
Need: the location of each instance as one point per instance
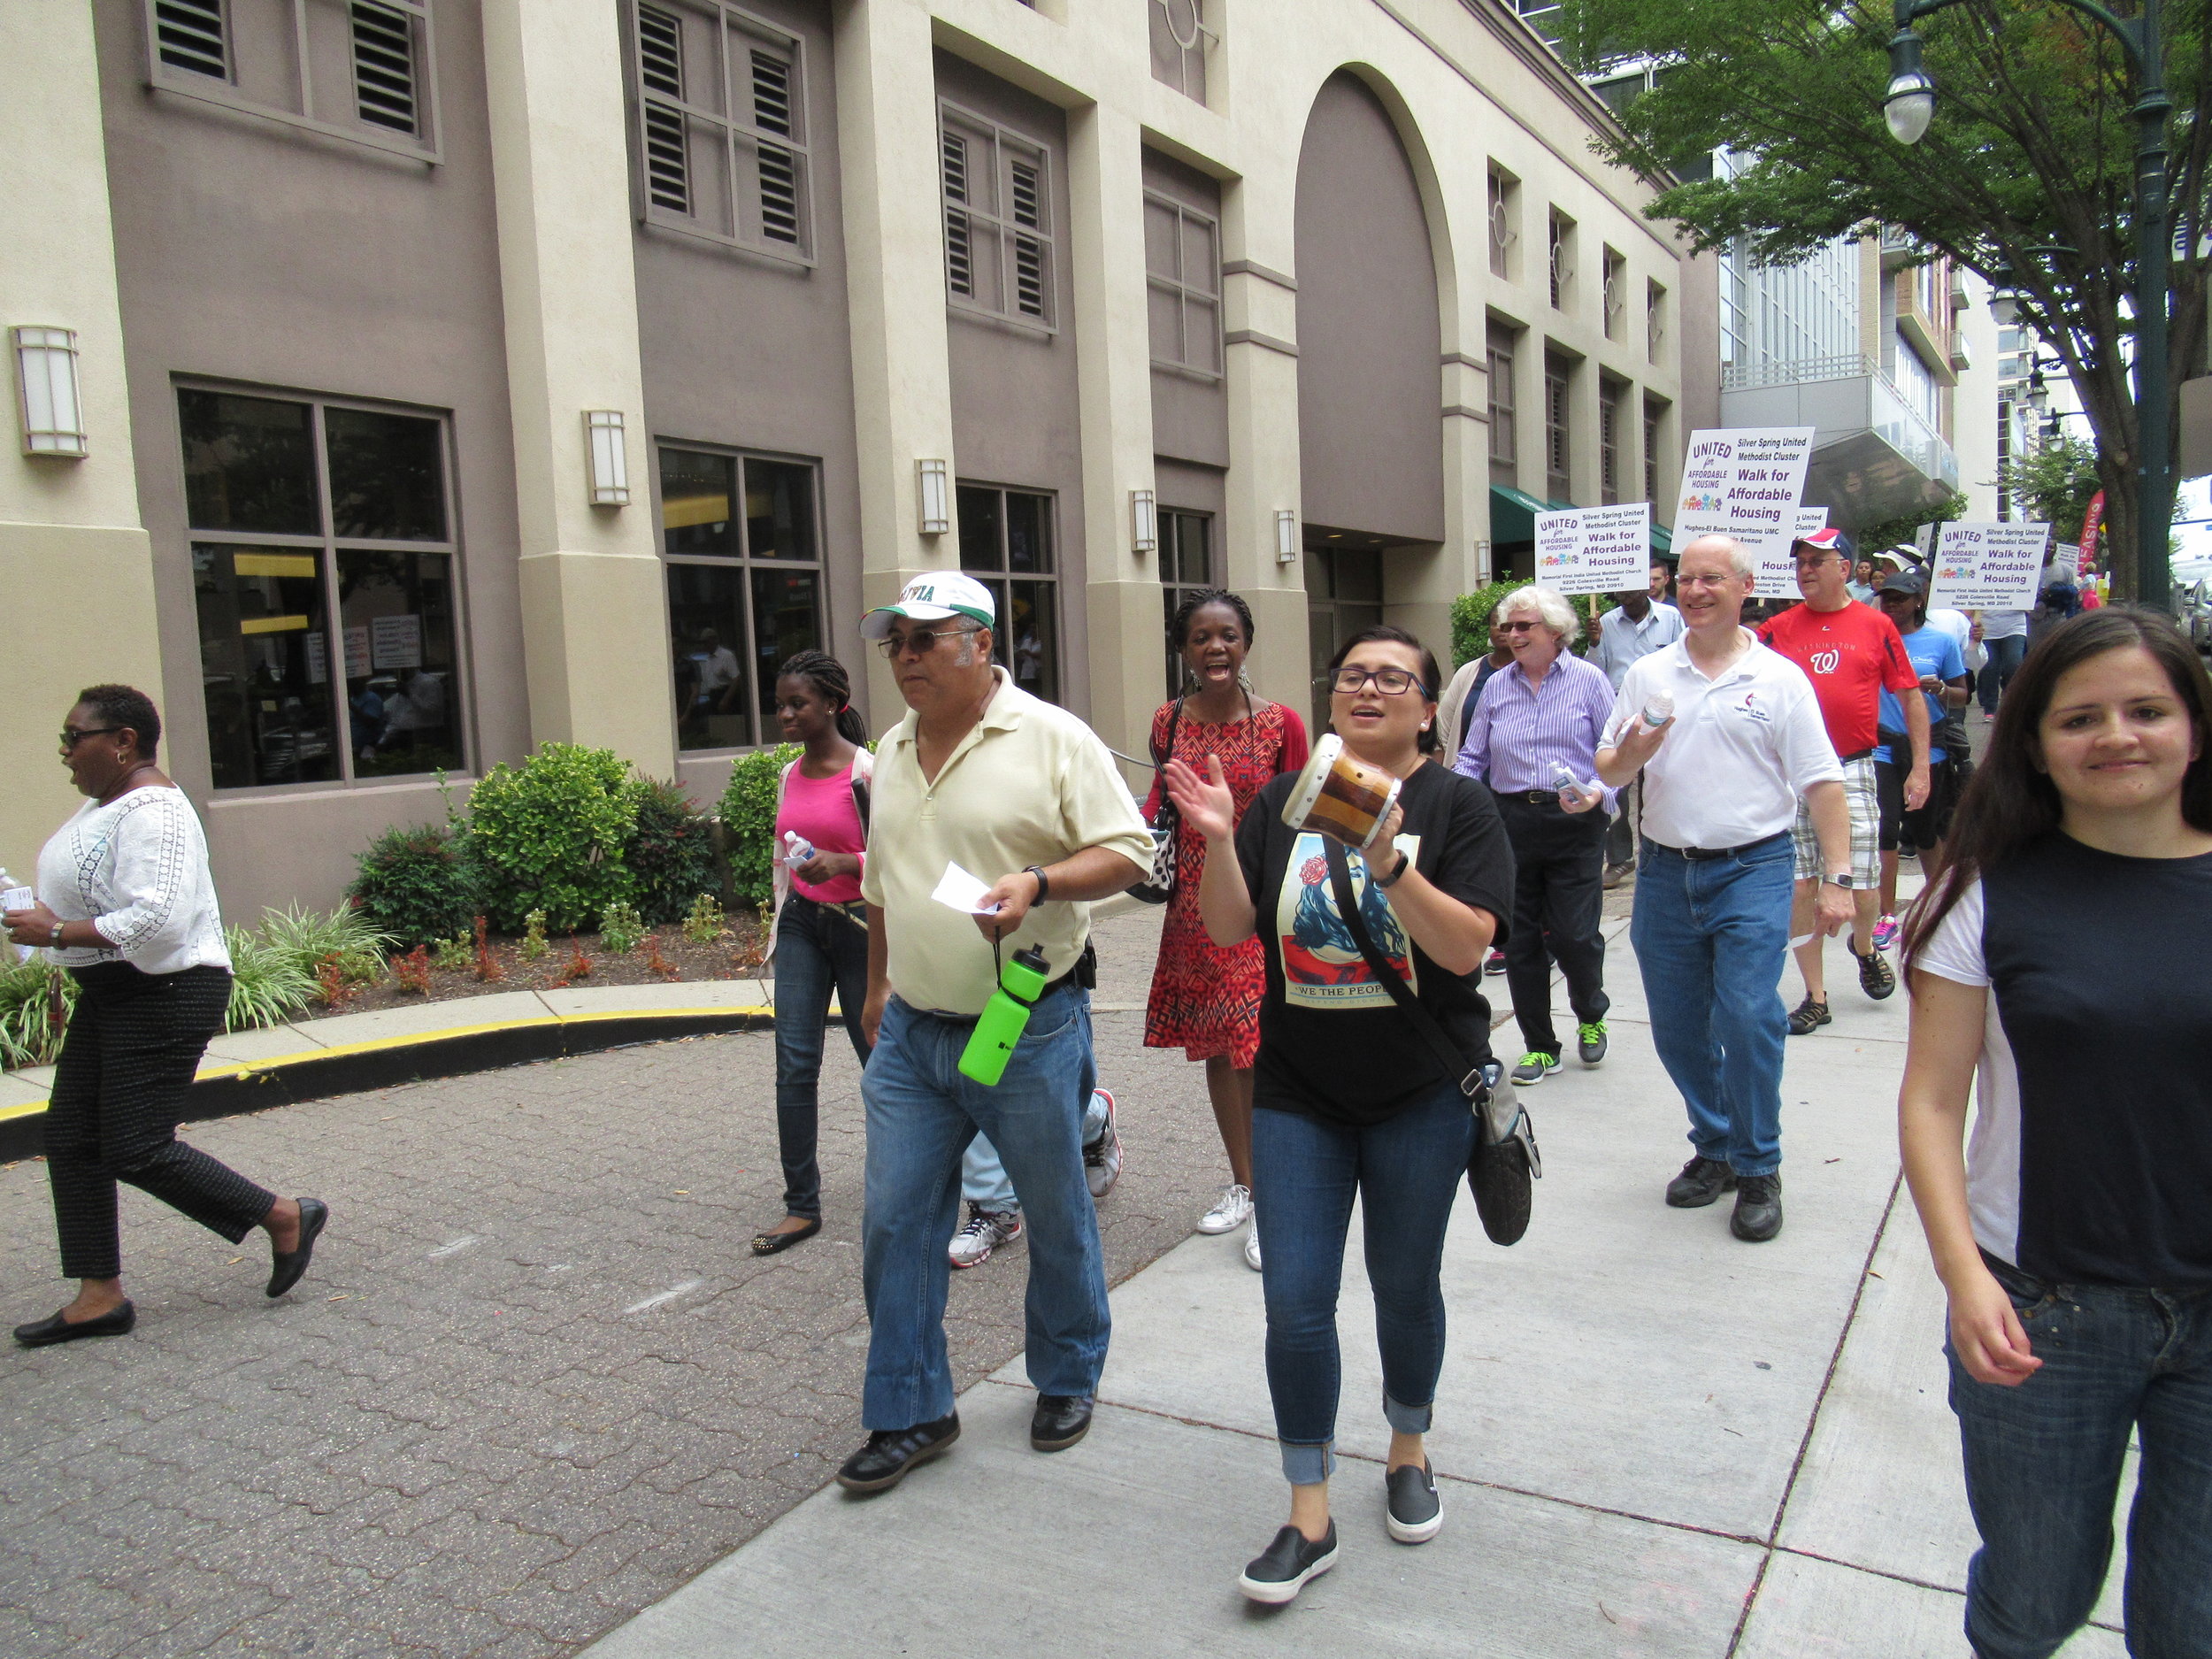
(922, 642)
(1392, 682)
(71, 736)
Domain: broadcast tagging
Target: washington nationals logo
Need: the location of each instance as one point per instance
(1825, 662)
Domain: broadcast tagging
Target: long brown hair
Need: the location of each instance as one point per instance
(2012, 804)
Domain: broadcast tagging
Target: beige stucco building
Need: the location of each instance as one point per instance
(456, 374)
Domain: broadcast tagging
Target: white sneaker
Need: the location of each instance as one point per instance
(1231, 1210)
(1101, 1159)
(986, 1231)
(1252, 1249)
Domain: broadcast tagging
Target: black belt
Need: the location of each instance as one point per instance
(1534, 797)
(1699, 855)
(1857, 755)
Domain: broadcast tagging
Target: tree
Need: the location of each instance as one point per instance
(2054, 482)
(2026, 176)
(1894, 531)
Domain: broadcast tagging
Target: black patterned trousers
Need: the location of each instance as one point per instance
(133, 1046)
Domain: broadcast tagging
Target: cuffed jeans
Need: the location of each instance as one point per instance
(922, 1113)
(1406, 1172)
(1558, 912)
(1710, 936)
(2043, 1462)
(2004, 662)
(816, 949)
(983, 1177)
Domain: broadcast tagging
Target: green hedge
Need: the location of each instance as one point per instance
(551, 835)
(419, 884)
(1471, 621)
(749, 821)
(670, 854)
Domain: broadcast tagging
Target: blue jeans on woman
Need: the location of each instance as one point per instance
(1711, 935)
(1406, 1172)
(2004, 662)
(817, 948)
(2043, 1463)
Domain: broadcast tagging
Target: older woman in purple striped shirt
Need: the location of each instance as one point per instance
(1533, 739)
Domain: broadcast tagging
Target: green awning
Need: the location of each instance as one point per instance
(1513, 515)
(1661, 540)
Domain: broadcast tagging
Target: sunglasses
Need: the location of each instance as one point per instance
(71, 735)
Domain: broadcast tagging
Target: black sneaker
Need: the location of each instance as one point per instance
(1758, 1216)
(1590, 1043)
(1875, 976)
(1059, 1421)
(883, 1461)
(1535, 1067)
(1809, 1016)
(1702, 1182)
(1494, 963)
(1278, 1573)
(1414, 1515)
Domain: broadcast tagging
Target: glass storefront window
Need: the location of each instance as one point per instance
(1186, 566)
(265, 660)
(387, 476)
(395, 628)
(706, 615)
(248, 464)
(1010, 530)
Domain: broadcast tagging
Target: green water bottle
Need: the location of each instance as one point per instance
(1004, 1017)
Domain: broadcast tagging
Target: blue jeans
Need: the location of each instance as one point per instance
(983, 1177)
(1406, 1172)
(1711, 935)
(2043, 1468)
(816, 948)
(2004, 662)
(922, 1113)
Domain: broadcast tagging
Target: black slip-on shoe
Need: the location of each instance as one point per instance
(776, 1243)
(1702, 1182)
(1279, 1572)
(1415, 1514)
(287, 1268)
(1059, 1421)
(47, 1332)
(1758, 1216)
(883, 1461)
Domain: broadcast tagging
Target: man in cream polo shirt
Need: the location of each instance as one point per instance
(1024, 797)
(1722, 780)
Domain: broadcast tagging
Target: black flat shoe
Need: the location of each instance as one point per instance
(287, 1268)
(883, 1461)
(1277, 1574)
(1059, 1421)
(775, 1243)
(46, 1332)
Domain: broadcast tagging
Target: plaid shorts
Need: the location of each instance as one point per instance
(1866, 829)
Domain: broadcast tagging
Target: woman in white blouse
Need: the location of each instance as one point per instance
(127, 904)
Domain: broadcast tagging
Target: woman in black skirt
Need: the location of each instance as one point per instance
(125, 902)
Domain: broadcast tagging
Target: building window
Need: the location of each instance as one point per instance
(744, 560)
(1560, 259)
(1006, 544)
(1655, 320)
(1182, 265)
(1608, 442)
(1505, 209)
(1615, 296)
(1180, 41)
(313, 521)
(1654, 417)
(1187, 566)
(352, 69)
(1504, 447)
(722, 127)
(998, 219)
(1558, 482)
(1344, 594)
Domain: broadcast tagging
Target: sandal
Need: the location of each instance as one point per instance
(1808, 1016)
(775, 1243)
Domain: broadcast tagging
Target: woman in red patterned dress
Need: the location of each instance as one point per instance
(1205, 999)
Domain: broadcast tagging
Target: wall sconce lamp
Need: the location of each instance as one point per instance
(1286, 535)
(1144, 522)
(936, 501)
(610, 461)
(46, 373)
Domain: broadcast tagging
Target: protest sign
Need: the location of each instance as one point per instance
(1594, 550)
(1989, 566)
(1744, 482)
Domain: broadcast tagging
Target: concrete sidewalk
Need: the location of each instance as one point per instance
(1650, 1439)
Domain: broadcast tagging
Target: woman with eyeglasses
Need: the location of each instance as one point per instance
(1349, 1099)
(2056, 979)
(125, 902)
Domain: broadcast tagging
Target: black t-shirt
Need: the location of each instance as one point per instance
(1332, 1044)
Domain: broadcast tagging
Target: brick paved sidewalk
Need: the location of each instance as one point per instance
(536, 1380)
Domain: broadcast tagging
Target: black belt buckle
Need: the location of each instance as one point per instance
(1539, 797)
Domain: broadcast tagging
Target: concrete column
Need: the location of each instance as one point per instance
(593, 607)
(1114, 376)
(887, 157)
(76, 568)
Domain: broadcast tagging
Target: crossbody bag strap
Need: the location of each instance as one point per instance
(1447, 1053)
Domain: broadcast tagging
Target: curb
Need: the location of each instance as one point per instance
(226, 1088)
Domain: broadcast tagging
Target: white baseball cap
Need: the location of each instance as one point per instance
(932, 597)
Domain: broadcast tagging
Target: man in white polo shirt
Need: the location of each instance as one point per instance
(1722, 779)
(1022, 796)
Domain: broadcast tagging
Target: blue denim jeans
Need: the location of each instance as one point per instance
(922, 1113)
(2005, 658)
(816, 949)
(1406, 1172)
(983, 1177)
(1711, 935)
(2043, 1464)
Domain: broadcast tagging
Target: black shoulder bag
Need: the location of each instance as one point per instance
(1505, 1160)
(1155, 888)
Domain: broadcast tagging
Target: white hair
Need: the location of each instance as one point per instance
(1739, 557)
(1551, 607)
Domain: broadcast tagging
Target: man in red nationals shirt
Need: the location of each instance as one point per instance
(1850, 652)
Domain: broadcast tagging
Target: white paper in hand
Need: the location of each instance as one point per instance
(963, 892)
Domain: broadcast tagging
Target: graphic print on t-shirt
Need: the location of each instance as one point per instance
(1322, 964)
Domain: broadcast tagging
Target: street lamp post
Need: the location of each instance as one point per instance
(1909, 106)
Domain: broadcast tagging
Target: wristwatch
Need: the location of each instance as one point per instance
(1843, 881)
(1396, 870)
(54, 940)
(1044, 886)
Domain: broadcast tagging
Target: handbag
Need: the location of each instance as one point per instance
(1505, 1160)
(1155, 888)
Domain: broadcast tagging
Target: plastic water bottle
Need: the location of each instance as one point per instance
(15, 896)
(797, 849)
(1658, 709)
(1571, 789)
